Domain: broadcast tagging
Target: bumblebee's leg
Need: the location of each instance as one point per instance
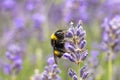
(55, 59)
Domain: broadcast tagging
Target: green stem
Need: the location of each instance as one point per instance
(110, 67)
(13, 77)
(78, 72)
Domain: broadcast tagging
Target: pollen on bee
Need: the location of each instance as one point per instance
(53, 36)
(56, 52)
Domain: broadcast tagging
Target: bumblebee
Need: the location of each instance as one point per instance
(57, 42)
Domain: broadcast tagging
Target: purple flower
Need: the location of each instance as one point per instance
(36, 76)
(69, 57)
(50, 61)
(75, 10)
(14, 56)
(51, 71)
(33, 5)
(19, 22)
(92, 64)
(85, 75)
(75, 77)
(38, 20)
(82, 44)
(83, 72)
(30, 6)
(75, 44)
(94, 54)
(114, 7)
(7, 69)
(71, 72)
(111, 35)
(55, 14)
(76, 52)
(84, 55)
(8, 4)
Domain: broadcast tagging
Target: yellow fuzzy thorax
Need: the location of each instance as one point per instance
(53, 37)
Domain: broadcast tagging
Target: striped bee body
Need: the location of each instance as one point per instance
(57, 42)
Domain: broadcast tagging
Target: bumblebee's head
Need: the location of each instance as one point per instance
(59, 34)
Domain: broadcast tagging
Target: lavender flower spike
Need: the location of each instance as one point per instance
(36, 76)
(75, 44)
(111, 35)
(51, 71)
(13, 55)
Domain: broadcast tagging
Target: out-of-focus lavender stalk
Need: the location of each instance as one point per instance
(50, 72)
(75, 10)
(111, 40)
(93, 63)
(76, 50)
(14, 57)
(110, 67)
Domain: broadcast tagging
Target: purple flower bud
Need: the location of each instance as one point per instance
(46, 68)
(82, 44)
(105, 36)
(18, 60)
(69, 47)
(57, 78)
(57, 71)
(85, 75)
(84, 55)
(7, 69)
(82, 70)
(79, 27)
(55, 66)
(8, 4)
(75, 77)
(14, 49)
(82, 34)
(94, 54)
(117, 48)
(50, 61)
(30, 6)
(78, 31)
(69, 34)
(19, 22)
(51, 71)
(69, 57)
(72, 59)
(66, 55)
(71, 72)
(10, 55)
